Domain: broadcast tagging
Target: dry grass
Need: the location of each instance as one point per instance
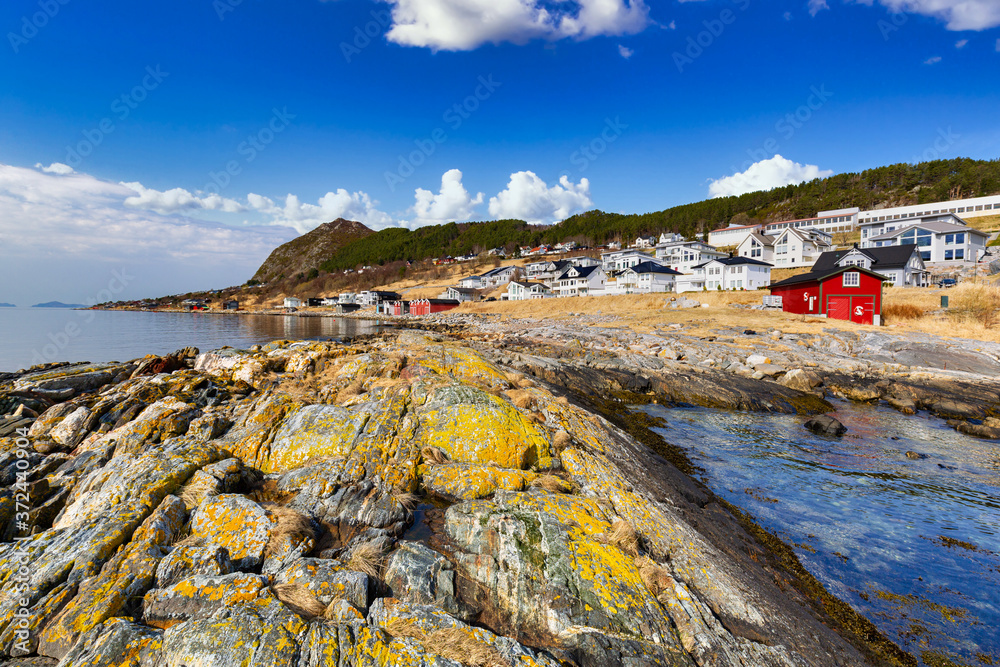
(521, 398)
(976, 303)
(366, 558)
(553, 483)
(456, 644)
(299, 599)
(408, 501)
(624, 536)
(985, 223)
(356, 388)
(561, 440)
(894, 312)
(193, 493)
(433, 455)
(656, 578)
(290, 527)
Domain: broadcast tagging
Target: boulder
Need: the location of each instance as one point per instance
(329, 580)
(800, 380)
(185, 561)
(199, 596)
(235, 523)
(826, 425)
(419, 575)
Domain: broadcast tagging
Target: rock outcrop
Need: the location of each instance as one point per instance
(261, 509)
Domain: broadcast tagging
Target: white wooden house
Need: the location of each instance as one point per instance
(518, 290)
(580, 281)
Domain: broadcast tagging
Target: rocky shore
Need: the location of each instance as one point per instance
(481, 498)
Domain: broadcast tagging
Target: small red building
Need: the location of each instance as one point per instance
(430, 306)
(846, 293)
(400, 308)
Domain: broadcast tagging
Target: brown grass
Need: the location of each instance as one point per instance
(457, 644)
(408, 501)
(366, 558)
(521, 398)
(656, 578)
(356, 388)
(894, 312)
(290, 527)
(193, 493)
(978, 303)
(561, 440)
(433, 455)
(553, 483)
(299, 599)
(624, 536)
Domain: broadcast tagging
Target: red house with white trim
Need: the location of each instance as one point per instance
(851, 293)
(431, 306)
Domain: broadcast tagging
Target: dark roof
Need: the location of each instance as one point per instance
(464, 290)
(886, 257)
(583, 271)
(653, 267)
(441, 302)
(816, 276)
(493, 272)
(732, 261)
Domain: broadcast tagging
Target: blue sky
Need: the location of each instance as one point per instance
(183, 142)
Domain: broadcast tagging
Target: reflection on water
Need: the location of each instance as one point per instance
(33, 335)
(913, 544)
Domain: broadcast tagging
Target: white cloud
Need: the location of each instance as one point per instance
(56, 168)
(177, 199)
(304, 217)
(816, 6)
(625, 52)
(960, 44)
(71, 229)
(672, 25)
(452, 204)
(527, 197)
(933, 60)
(461, 25)
(765, 175)
(957, 14)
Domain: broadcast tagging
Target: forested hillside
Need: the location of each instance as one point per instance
(895, 185)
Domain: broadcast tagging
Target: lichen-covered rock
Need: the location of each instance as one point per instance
(329, 580)
(69, 431)
(199, 596)
(420, 575)
(470, 482)
(116, 641)
(235, 523)
(315, 432)
(186, 561)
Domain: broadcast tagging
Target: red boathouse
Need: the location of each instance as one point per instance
(846, 293)
(431, 306)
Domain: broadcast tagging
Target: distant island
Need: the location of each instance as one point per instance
(58, 304)
(7, 305)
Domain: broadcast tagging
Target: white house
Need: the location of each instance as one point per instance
(937, 240)
(732, 235)
(790, 247)
(518, 290)
(644, 242)
(619, 260)
(292, 302)
(499, 276)
(669, 237)
(966, 208)
(580, 281)
(347, 297)
(646, 277)
(841, 220)
(901, 264)
(472, 282)
(583, 260)
(683, 256)
(460, 294)
(728, 273)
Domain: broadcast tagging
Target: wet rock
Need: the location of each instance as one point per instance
(915, 456)
(979, 430)
(825, 425)
(801, 380)
(905, 405)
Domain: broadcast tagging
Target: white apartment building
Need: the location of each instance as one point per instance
(965, 208)
(841, 220)
(518, 290)
(936, 240)
(683, 255)
(732, 235)
(619, 260)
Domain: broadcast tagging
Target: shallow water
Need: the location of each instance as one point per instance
(31, 336)
(914, 545)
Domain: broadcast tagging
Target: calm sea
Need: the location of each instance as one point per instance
(31, 336)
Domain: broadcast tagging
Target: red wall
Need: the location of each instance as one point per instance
(795, 298)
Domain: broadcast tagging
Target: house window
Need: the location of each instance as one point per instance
(949, 254)
(960, 238)
(960, 253)
(852, 279)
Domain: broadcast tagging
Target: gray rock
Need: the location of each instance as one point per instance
(825, 425)
(420, 575)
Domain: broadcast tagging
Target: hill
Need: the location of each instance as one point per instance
(7, 305)
(58, 304)
(304, 254)
(895, 185)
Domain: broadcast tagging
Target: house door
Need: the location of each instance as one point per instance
(863, 309)
(839, 307)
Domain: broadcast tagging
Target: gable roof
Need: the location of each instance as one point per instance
(817, 276)
(498, 270)
(735, 227)
(653, 267)
(763, 239)
(886, 257)
(733, 261)
(936, 227)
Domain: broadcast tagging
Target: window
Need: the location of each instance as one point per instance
(852, 279)
(925, 255)
(960, 253)
(949, 239)
(949, 254)
(960, 238)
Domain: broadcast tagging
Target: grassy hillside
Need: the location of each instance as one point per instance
(303, 255)
(895, 185)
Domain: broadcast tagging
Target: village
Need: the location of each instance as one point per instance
(798, 261)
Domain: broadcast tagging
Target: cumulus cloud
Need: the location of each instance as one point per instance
(304, 217)
(816, 6)
(527, 197)
(452, 204)
(765, 175)
(56, 168)
(461, 25)
(177, 199)
(957, 14)
(625, 52)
